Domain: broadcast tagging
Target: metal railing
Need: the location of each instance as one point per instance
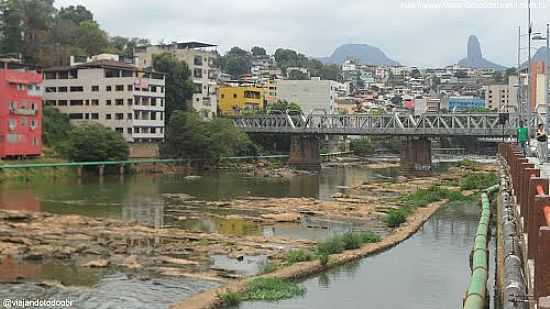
(532, 197)
(401, 124)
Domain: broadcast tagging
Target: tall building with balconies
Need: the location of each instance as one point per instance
(115, 94)
(202, 59)
(20, 110)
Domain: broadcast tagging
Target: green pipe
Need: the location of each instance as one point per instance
(477, 290)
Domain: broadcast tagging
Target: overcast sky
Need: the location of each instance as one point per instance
(413, 36)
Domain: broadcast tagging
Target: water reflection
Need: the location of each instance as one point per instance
(428, 271)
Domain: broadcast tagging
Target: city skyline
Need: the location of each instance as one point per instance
(412, 36)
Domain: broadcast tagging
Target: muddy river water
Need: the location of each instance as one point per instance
(430, 270)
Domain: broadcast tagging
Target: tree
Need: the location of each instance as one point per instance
(187, 136)
(125, 46)
(11, 28)
(94, 142)
(284, 106)
(91, 38)
(179, 87)
(76, 14)
(56, 127)
(297, 75)
(258, 51)
(331, 72)
(237, 62)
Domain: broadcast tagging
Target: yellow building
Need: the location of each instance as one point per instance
(236, 100)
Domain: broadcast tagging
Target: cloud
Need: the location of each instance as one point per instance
(413, 36)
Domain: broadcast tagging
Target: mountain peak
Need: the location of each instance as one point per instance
(474, 48)
(364, 53)
(474, 58)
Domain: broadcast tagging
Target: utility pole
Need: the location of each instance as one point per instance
(547, 62)
(529, 79)
(521, 109)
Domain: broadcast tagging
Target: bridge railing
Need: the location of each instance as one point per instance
(533, 200)
(471, 124)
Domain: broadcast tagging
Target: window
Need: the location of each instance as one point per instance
(33, 107)
(50, 75)
(130, 101)
(119, 102)
(95, 102)
(62, 103)
(95, 88)
(198, 60)
(153, 116)
(130, 87)
(108, 116)
(34, 141)
(76, 102)
(51, 89)
(129, 116)
(119, 130)
(119, 88)
(223, 96)
(153, 130)
(234, 96)
(119, 116)
(87, 116)
(95, 116)
(77, 88)
(50, 103)
(129, 130)
(62, 89)
(76, 116)
(108, 102)
(197, 73)
(12, 124)
(12, 138)
(108, 88)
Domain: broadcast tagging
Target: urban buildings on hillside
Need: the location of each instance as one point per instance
(311, 95)
(112, 93)
(243, 99)
(503, 97)
(201, 58)
(20, 110)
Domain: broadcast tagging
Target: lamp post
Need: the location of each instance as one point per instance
(547, 68)
(529, 79)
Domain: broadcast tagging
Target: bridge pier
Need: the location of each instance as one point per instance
(305, 152)
(416, 156)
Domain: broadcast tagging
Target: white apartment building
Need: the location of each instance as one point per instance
(314, 94)
(502, 98)
(201, 59)
(114, 94)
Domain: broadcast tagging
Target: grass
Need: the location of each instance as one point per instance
(297, 256)
(348, 241)
(272, 289)
(396, 217)
(230, 299)
(478, 181)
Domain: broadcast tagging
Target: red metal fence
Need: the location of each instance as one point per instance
(533, 199)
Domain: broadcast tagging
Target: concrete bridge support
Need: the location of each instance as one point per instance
(416, 156)
(305, 152)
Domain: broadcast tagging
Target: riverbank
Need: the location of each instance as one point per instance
(226, 239)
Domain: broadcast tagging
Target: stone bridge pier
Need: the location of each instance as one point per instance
(416, 156)
(305, 152)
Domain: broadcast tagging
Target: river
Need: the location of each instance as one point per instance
(430, 270)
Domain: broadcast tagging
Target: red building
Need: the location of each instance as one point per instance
(20, 110)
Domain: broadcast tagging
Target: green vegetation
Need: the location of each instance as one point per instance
(297, 256)
(272, 289)
(362, 146)
(187, 136)
(396, 217)
(94, 142)
(284, 106)
(348, 241)
(47, 37)
(323, 259)
(179, 87)
(237, 62)
(423, 197)
(230, 298)
(56, 128)
(478, 181)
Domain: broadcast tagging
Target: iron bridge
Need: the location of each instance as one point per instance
(398, 124)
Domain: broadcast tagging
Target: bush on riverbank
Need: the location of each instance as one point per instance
(362, 146)
(478, 181)
(230, 299)
(348, 241)
(272, 289)
(94, 142)
(396, 217)
(297, 256)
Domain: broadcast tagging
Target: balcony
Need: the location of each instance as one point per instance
(23, 111)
